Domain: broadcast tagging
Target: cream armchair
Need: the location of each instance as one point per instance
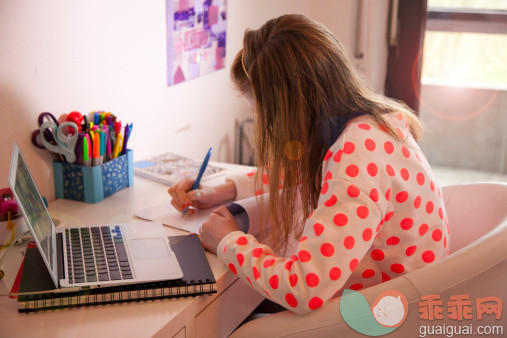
(477, 267)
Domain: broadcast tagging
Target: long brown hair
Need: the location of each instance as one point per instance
(305, 91)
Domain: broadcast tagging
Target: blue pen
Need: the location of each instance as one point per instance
(199, 176)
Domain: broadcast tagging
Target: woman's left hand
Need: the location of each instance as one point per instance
(219, 224)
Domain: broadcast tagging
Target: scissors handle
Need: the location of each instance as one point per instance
(65, 144)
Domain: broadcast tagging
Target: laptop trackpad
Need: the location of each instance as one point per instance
(149, 248)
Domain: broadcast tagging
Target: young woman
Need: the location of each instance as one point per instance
(370, 208)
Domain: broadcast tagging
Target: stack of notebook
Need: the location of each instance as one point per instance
(37, 293)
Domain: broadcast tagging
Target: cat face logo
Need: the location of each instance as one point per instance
(386, 314)
(390, 308)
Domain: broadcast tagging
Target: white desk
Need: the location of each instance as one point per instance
(204, 316)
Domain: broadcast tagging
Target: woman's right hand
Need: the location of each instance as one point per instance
(203, 197)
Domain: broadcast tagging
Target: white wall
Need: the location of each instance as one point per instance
(60, 56)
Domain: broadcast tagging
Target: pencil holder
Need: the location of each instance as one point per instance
(93, 184)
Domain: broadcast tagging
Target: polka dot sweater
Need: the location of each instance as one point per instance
(380, 215)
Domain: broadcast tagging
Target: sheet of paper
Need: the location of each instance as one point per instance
(166, 214)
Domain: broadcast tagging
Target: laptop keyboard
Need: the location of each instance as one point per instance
(94, 255)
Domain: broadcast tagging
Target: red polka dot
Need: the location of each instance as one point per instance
(293, 279)
(340, 219)
(337, 157)
(432, 185)
(364, 126)
(405, 152)
(377, 255)
(406, 223)
(348, 148)
(436, 235)
(273, 282)
(328, 176)
(388, 194)
(379, 226)
(288, 265)
(242, 241)
(372, 169)
(402, 197)
(349, 242)
(420, 178)
(335, 273)
(318, 229)
(249, 281)
(291, 300)
(423, 229)
(331, 201)
(404, 174)
(353, 264)
(259, 192)
(240, 258)
(225, 248)
(294, 258)
(389, 215)
(353, 191)
(429, 207)
(265, 179)
(428, 256)
(399, 116)
(268, 262)
(399, 133)
(397, 268)
(368, 273)
(445, 242)
(388, 147)
(312, 280)
(232, 268)
(257, 252)
(390, 170)
(356, 286)
(327, 249)
(383, 127)
(417, 202)
(392, 240)
(440, 213)
(267, 293)
(325, 186)
(304, 238)
(367, 234)
(410, 250)
(374, 195)
(328, 155)
(251, 173)
(369, 144)
(385, 277)
(352, 170)
(315, 303)
(304, 256)
(363, 212)
(256, 272)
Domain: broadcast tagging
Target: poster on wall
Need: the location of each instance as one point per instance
(196, 32)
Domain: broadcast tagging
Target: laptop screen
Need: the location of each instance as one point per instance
(33, 208)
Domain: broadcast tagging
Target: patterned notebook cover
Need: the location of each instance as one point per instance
(171, 168)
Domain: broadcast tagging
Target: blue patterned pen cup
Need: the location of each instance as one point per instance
(93, 184)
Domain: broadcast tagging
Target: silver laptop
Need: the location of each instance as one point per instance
(99, 255)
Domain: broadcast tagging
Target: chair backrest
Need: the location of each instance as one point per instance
(473, 210)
